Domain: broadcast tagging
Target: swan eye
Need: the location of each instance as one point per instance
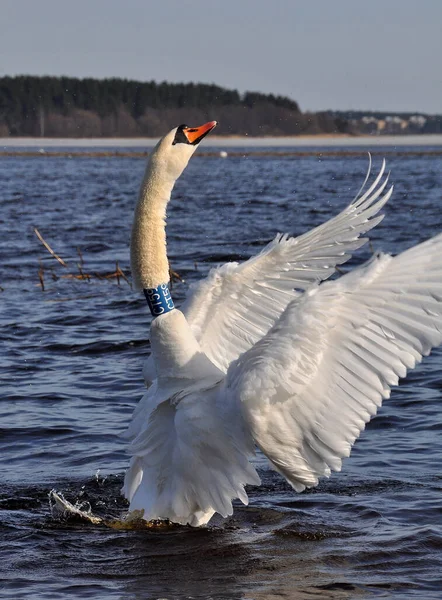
(180, 136)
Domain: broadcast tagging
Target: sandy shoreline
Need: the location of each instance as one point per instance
(229, 142)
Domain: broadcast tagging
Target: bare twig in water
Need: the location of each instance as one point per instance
(82, 275)
(101, 276)
(174, 276)
(117, 271)
(120, 272)
(41, 276)
(48, 248)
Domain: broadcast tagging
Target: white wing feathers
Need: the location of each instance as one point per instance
(308, 388)
(237, 304)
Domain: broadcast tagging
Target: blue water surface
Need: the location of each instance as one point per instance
(71, 377)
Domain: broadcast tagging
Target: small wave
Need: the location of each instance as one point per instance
(100, 347)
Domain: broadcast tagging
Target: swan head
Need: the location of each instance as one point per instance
(172, 153)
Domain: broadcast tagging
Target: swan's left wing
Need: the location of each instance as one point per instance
(307, 389)
(236, 304)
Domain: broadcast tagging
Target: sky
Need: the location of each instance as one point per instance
(325, 54)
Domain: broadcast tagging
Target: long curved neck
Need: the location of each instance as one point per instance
(150, 267)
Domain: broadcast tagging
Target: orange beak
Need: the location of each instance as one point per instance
(196, 134)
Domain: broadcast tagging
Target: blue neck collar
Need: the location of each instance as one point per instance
(159, 299)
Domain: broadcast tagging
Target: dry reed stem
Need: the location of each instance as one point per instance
(81, 275)
(80, 255)
(117, 271)
(41, 276)
(174, 276)
(48, 248)
(121, 274)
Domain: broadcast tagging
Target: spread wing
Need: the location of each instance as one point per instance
(308, 388)
(237, 304)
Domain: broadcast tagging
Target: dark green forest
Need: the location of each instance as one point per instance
(72, 107)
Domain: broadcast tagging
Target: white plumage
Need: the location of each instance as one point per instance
(263, 355)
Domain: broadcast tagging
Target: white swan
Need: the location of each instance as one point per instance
(260, 354)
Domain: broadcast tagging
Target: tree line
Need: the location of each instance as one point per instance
(72, 107)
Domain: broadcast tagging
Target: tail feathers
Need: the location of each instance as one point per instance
(191, 502)
(187, 464)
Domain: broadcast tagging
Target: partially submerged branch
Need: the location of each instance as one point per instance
(48, 248)
(41, 276)
(82, 274)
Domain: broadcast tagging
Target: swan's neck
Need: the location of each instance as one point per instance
(150, 267)
(176, 352)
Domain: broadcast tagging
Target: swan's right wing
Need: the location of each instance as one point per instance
(307, 389)
(237, 304)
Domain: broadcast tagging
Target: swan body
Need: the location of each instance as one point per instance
(262, 355)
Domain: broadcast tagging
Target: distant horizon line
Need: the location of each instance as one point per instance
(314, 140)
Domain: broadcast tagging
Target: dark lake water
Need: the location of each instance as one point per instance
(71, 375)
